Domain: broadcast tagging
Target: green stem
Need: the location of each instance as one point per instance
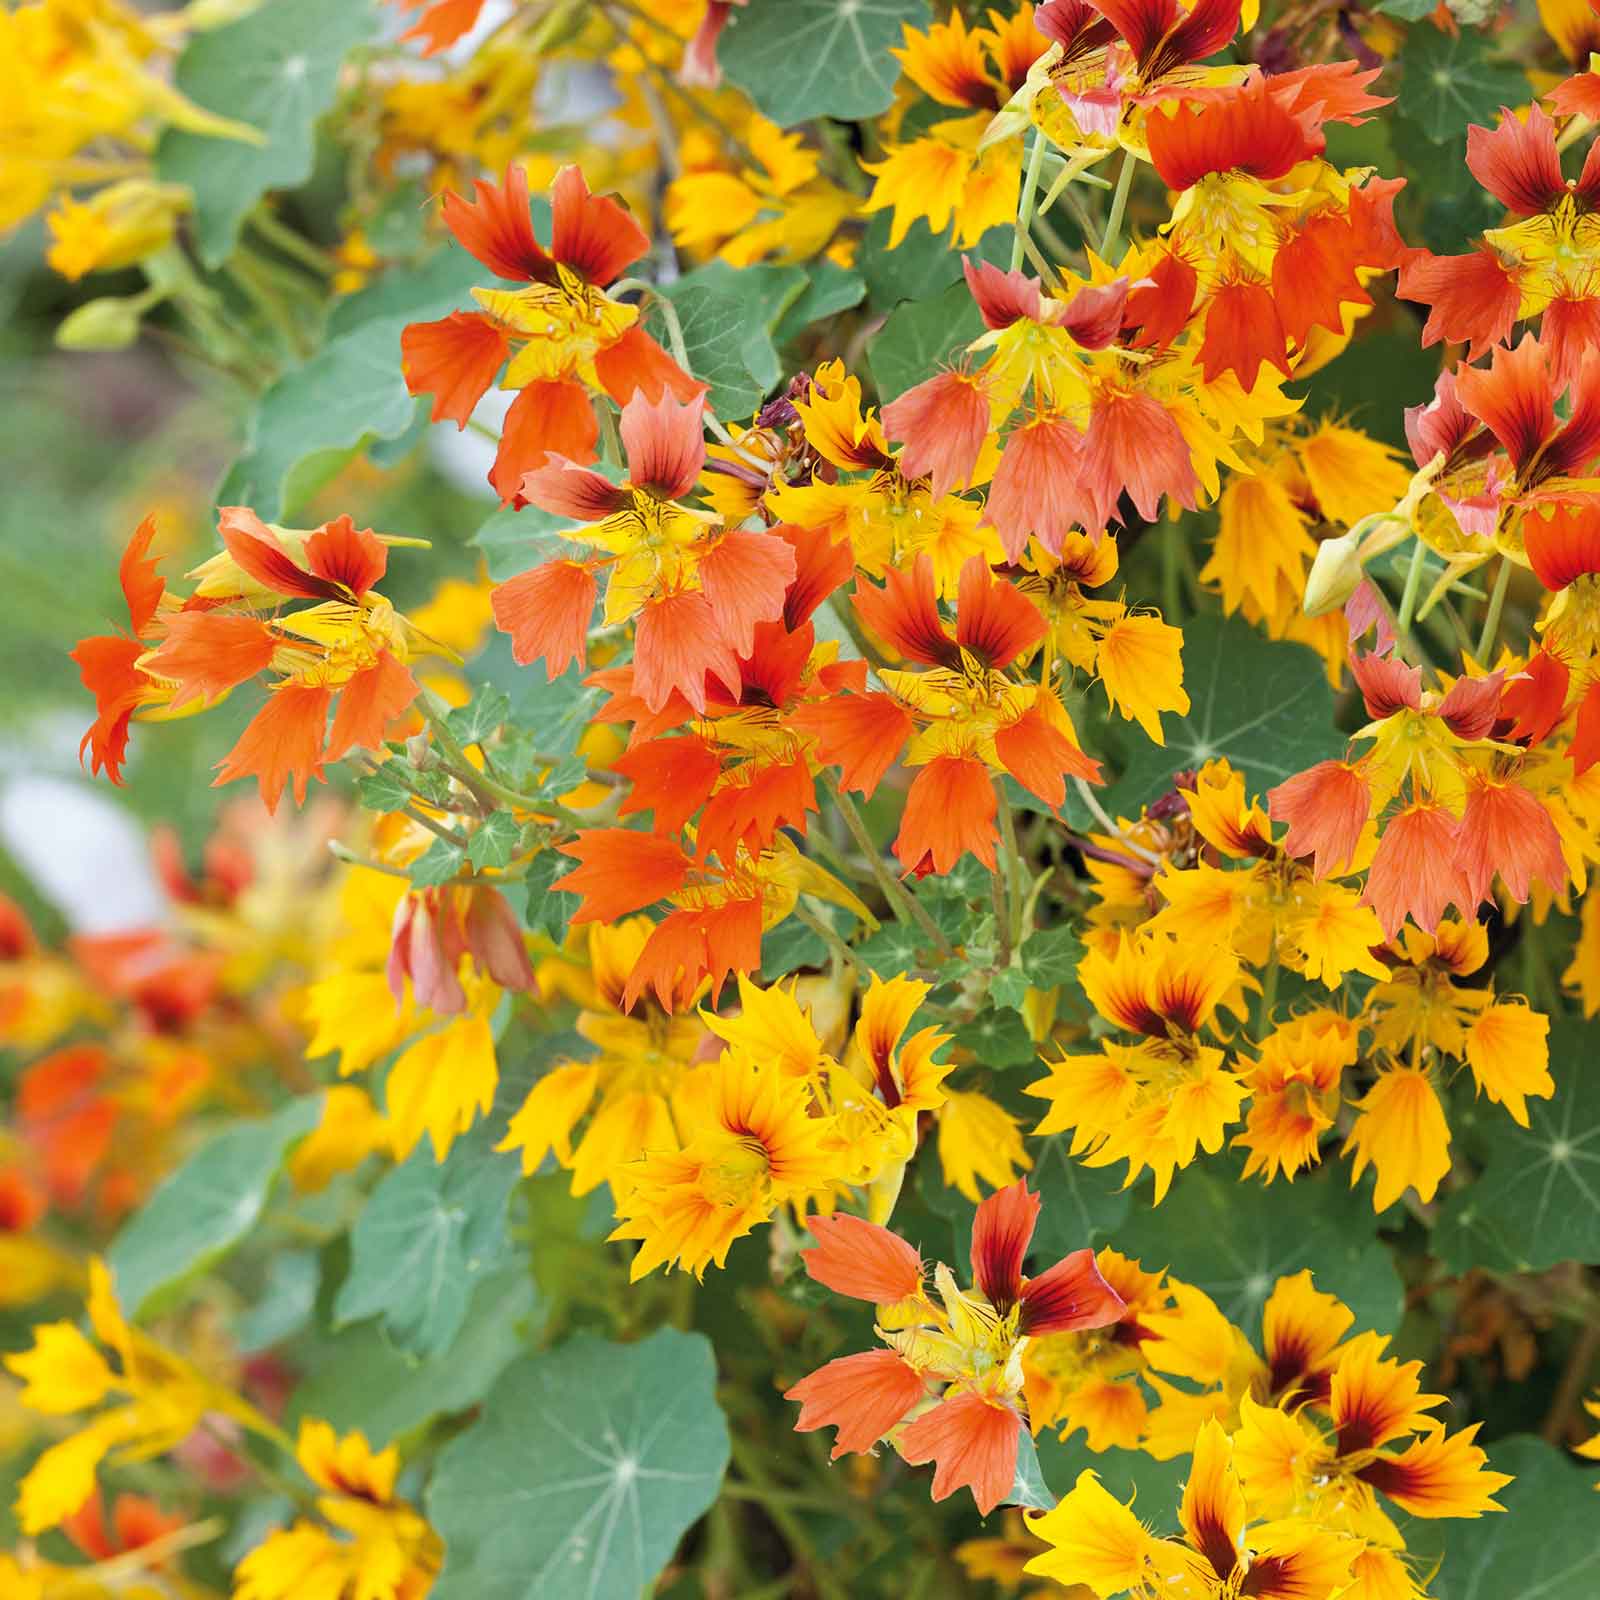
(1013, 865)
(1002, 913)
(1030, 179)
(1110, 240)
(291, 243)
(1171, 570)
(1269, 993)
(484, 789)
(1497, 602)
(842, 954)
(774, 1500)
(906, 906)
(1408, 596)
(245, 271)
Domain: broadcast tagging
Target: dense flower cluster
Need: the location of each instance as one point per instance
(956, 631)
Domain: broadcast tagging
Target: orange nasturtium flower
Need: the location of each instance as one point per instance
(965, 717)
(697, 589)
(950, 1386)
(350, 645)
(563, 336)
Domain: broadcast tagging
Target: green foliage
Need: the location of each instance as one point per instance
(1029, 1488)
(428, 1233)
(588, 1463)
(438, 864)
(1542, 1548)
(1262, 704)
(1537, 1200)
(799, 59)
(728, 318)
(276, 69)
(920, 335)
(512, 541)
(351, 392)
(1236, 1239)
(494, 841)
(549, 909)
(205, 1208)
(1451, 79)
(480, 717)
(998, 1039)
(829, 290)
(359, 1379)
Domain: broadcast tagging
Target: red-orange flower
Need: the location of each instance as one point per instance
(956, 1348)
(562, 334)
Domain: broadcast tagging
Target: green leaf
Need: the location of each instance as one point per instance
(351, 391)
(893, 949)
(549, 909)
(1451, 80)
(430, 290)
(923, 263)
(799, 59)
(1263, 704)
(1537, 1200)
(358, 1379)
(727, 316)
(513, 541)
(918, 336)
(830, 290)
(430, 1231)
(205, 1208)
(1542, 1548)
(1009, 987)
(554, 713)
(385, 789)
(1050, 957)
(481, 716)
(999, 1039)
(1082, 1205)
(1406, 10)
(1235, 1240)
(438, 864)
(277, 69)
(494, 842)
(1155, 1487)
(587, 1466)
(792, 945)
(288, 1298)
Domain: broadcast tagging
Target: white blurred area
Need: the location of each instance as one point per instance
(80, 849)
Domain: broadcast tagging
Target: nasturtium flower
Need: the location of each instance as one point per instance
(1157, 1102)
(144, 1401)
(695, 589)
(949, 1387)
(961, 719)
(346, 653)
(560, 337)
(368, 1542)
(1227, 1547)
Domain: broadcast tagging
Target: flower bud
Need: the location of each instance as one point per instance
(108, 324)
(494, 939)
(1335, 573)
(426, 947)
